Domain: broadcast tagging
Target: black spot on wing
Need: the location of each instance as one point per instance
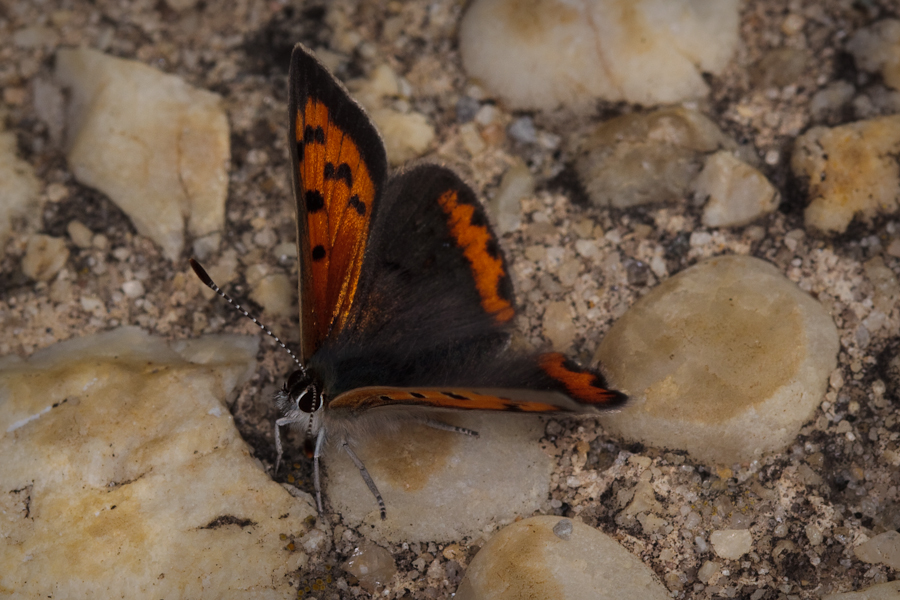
(455, 396)
(318, 253)
(357, 204)
(416, 395)
(478, 219)
(313, 135)
(493, 249)
(314, 201)
(341, 172)
(300, 147)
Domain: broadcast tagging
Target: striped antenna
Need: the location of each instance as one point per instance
(208, 282)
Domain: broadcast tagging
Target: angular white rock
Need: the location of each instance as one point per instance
(736, 193)
(438, 485)
(647, 51)
(731, 544)
(552, 557)
(725, 360)
(156, 146)
(120, 457)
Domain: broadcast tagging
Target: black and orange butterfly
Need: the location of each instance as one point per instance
(405, 297)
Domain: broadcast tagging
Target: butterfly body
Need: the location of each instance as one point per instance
(405, 298)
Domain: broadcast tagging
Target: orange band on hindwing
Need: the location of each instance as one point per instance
(447, 398)
(479, 247)
(580, 384)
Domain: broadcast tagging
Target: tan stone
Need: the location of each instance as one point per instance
(123, 474)
(851, 170)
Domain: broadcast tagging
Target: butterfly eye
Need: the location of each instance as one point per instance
(309, 401)
(303, 391)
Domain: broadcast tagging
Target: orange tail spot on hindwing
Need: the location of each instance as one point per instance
(580, 384)
(486, 267)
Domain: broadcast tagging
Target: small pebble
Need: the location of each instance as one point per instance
(80, 235)
(44, 257)
(731, 544)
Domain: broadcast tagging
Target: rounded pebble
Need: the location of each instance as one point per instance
(725, 360)
(530, 559)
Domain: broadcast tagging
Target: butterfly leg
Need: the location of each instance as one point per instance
(366, 477)
(320, 443)
(279, 450)
(435, 424)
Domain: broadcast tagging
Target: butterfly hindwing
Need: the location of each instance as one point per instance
(339, 166)
(546, 383)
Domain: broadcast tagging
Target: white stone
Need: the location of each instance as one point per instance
(120, 456)
(506, 207)
(133, 289)
(736, 194)
(851, 170)
(275, 293)
(436, 484)
(725, 360)
(18, 188)
(646, 52)
(731, 544)
(551, 557)
(156, 146)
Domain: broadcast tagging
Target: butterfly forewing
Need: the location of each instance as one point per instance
(339, 167)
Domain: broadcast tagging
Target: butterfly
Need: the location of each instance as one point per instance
(406, 302)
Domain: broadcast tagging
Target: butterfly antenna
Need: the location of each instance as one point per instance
(208, 282)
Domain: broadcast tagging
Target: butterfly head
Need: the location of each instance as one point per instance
(301, 393)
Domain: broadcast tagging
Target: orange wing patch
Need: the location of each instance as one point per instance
(449, 398)
(338, 193)
(582, 385)
(477, 243)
